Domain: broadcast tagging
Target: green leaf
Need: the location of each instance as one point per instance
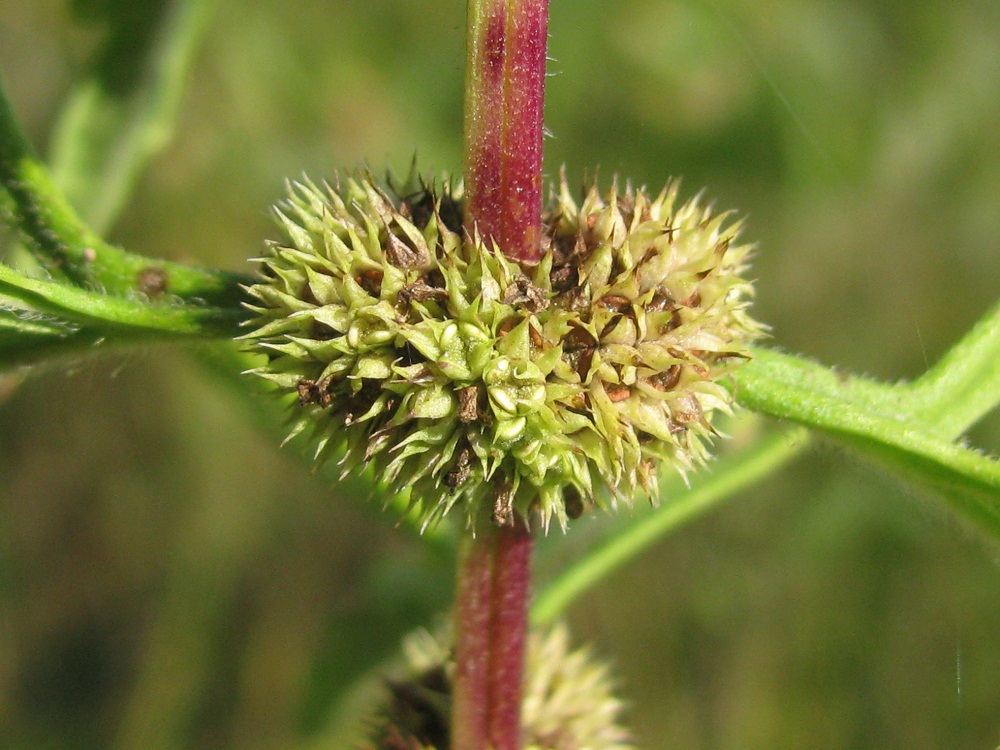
(29, 338)
(71, 251)
(16, 323)
(108, 313)
(26, 336)
(965, 384)
(877, 422)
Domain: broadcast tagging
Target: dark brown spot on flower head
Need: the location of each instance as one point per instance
(615, 302)
(418, 207)
(460, 469)
(152, 281)
(503, 506)
(435, 278)
(687, 411)
(579, 347)
(575, 299)
(418, 291)
(617, 267)
(370, 281)
(315, 391)
(402, 253)
(581, 361)
(425, 202)
(567, 251)
(537, 340)
(696, 361)
(723, 356)
(323, 332)
(523, 294)
(610, 326)
(508, 324)
(409, 355)
(450, 211)
(564, 247)
(470, 401)
(666, 380)
(307, 392)
(660, 302)
(564, 278)
(572, 502)
(308, 295)
(694, 300)
(358, 404)
(617, 392)
(579, 337)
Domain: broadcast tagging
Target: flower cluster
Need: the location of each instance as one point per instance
(500, 390)
(568, 702)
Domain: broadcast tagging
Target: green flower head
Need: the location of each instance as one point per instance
(490, 389)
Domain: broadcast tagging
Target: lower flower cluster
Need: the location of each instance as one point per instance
(568, 702)
(498, 390)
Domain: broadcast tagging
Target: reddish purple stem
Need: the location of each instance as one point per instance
(504, 90)
(473, 633)
(494, 583)
(511, 592)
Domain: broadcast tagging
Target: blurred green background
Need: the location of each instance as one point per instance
(170, 578)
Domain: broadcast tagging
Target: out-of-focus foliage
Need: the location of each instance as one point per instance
(169, 579)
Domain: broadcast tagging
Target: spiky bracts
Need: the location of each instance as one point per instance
(501, 390)
(568, 704)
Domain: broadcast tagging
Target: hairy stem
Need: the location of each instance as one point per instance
(494, 580)
(504, 91)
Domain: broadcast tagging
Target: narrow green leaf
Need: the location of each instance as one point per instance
(967, 480)
(28, 338)
(15, 324)
(108, 313)
(72, 251)
(884, 430)
(965, 384)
